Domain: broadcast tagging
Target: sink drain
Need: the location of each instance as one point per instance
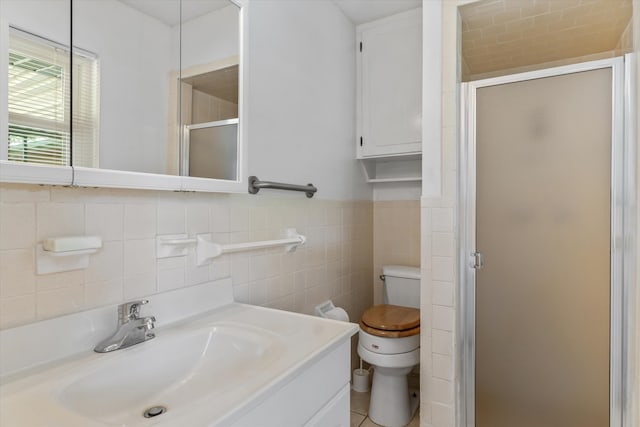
(154, 411)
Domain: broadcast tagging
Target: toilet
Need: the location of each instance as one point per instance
(389, 340)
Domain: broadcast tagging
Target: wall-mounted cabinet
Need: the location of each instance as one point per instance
(125, 94)
(390, 86)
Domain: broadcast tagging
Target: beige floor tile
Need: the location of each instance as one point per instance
(357, 419)
(360, 402)
(415, 422)
(368, 423)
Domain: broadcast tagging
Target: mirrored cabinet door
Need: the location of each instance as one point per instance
(209, 108)
(125, 54)
(35, 76)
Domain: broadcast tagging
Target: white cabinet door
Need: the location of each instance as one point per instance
(335, 413)
(390, 85)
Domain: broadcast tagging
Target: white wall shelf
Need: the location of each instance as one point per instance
(399, 168)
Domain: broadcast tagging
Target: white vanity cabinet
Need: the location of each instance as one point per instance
(318, 396)
(390, 86)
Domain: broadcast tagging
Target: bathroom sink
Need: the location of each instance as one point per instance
(171, 372)
(206, 370)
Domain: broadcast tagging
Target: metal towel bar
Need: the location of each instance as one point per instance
(255, 185)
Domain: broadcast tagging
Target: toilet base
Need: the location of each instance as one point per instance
(392, 403)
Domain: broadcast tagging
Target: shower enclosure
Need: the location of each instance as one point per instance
(542, 194)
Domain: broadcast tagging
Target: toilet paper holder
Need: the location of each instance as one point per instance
(329, 311)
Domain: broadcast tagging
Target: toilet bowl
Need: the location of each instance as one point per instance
(389, 340)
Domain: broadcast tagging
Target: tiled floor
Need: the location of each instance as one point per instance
(360, 408)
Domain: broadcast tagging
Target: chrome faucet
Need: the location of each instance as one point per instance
(132, 329)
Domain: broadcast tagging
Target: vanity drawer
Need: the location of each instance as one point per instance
(303, 400)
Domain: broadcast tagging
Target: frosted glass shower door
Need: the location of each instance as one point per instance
(543, 190)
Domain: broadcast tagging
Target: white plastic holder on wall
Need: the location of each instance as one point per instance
(173, 245)
(59, 254)
(206, 249)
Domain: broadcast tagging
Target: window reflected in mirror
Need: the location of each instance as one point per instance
(39, 102)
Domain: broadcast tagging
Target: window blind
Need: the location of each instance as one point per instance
(39, 102)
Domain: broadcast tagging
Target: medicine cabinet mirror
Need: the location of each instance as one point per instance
(123, 93)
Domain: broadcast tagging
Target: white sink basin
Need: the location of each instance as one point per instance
(172, 372)
(206, 371)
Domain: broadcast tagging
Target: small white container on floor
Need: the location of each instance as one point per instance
(360, 381)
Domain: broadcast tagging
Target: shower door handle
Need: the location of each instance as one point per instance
(478, 260)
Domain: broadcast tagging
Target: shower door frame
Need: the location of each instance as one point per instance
(622, 195)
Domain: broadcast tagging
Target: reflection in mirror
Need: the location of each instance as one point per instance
(137, 48)
(211, 149)
(210, 123)
(34, 79)
(144, 47)
(209, 91)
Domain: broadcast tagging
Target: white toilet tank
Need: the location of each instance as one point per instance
(401, 285)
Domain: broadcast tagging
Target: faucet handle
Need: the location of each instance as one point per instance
(148, 323)
(130, 310)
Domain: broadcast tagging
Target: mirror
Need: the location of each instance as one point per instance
(35, 68)
(154, 85)
(121, 116)
(209, 89)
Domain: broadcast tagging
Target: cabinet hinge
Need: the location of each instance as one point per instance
(360, 141)
(360, 46)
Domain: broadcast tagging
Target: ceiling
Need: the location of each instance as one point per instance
(358, 11)
(168, 12)
(509, 34)
(362, 11)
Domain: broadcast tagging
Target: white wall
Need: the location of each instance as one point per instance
(431, 97)
(210, 37)
(302, 92)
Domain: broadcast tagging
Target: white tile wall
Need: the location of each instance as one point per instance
(336, 263)
(438, 312)
(16, 273)
(105, 220)
(17, 225)
(442, 342)
(139, 221)
(59, 219)
(442, 415)
(438, 239)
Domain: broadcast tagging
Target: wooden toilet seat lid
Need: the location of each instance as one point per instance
(391, 321)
